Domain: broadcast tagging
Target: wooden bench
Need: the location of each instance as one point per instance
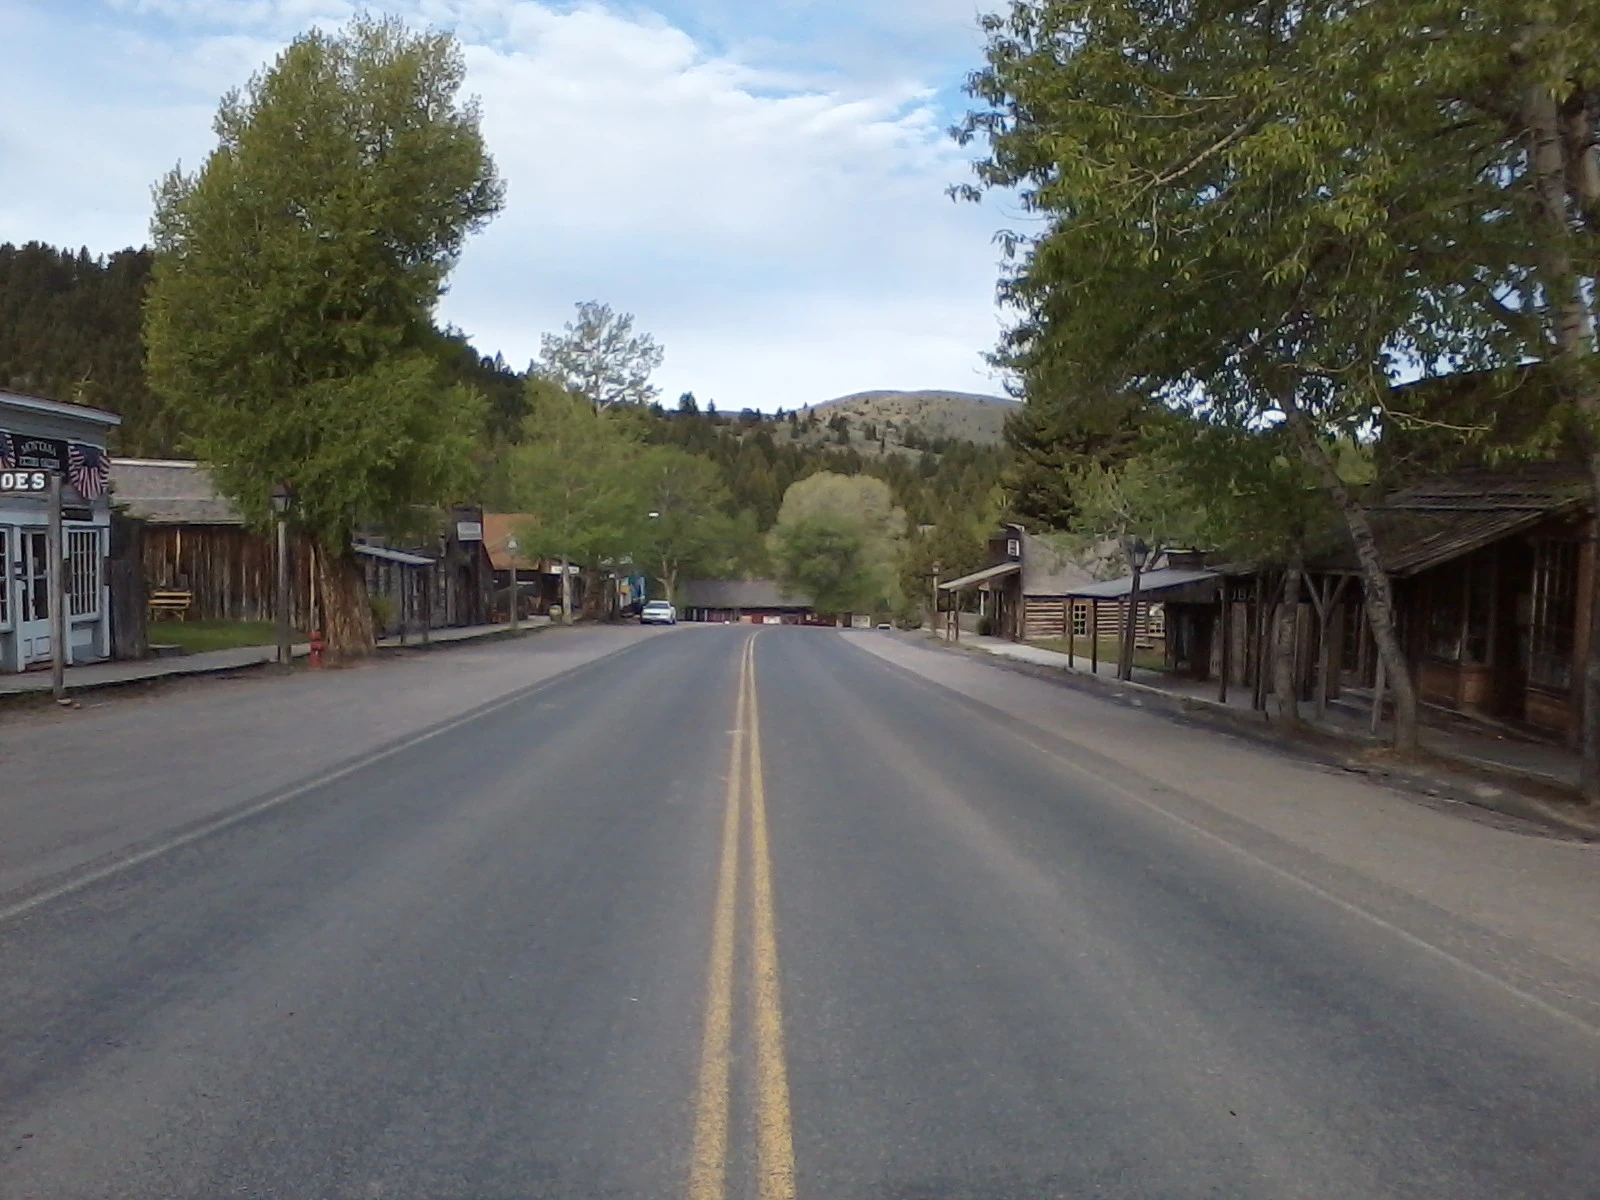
(172, 601)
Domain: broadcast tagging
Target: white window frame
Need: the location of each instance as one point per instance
(83, 561)
(7, 540)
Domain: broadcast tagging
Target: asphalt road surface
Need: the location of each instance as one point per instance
(759, 915)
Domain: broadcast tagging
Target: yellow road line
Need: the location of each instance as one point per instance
(774, 1131)
(708, 1167)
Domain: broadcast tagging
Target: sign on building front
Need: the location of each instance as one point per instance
(24, 481)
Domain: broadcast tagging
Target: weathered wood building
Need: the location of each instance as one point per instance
(1492, 572)
(746, 601)
(196, 542)
(1026, 591)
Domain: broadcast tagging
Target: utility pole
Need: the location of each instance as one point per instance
(58, 593)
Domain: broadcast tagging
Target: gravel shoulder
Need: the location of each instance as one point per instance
(1524, 889)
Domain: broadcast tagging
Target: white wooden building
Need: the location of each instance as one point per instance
(71, 439)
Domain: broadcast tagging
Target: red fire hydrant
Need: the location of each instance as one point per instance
(316, 647)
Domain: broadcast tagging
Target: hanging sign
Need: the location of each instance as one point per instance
(33, 453)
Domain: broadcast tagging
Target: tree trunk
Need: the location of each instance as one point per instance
(1566, 187)
(346, 612)
(1379, 593)
(1131, 631)
(566, 593)
(1283, 650)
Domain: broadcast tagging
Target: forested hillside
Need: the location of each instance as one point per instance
(69, 330)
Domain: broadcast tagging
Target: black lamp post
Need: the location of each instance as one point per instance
(511, 550)
(1138, 554)
(282, 497)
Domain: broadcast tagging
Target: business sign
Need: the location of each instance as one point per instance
(20, 450)
(469, 531)
(24, 481)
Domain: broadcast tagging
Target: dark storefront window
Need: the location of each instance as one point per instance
(1445, 596)
(1460, 605)
(1555, 607)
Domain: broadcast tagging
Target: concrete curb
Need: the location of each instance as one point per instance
(1488, 786)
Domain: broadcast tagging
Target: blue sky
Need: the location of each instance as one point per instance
(761, 182)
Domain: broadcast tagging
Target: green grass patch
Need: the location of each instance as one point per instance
(1110, 647)
(196, 637)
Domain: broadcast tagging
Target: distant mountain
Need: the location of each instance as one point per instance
(914, 419)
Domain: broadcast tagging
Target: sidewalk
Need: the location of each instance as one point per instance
(213, 662)
(1444, 735)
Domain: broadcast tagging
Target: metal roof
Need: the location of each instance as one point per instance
(966, 581)
(739, 593)
(56, 408)
(394, 556)
(1165, 579)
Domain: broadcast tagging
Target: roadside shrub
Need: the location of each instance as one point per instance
(985, 626)
(382, 613)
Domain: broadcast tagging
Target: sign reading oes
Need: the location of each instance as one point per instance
(24, 481)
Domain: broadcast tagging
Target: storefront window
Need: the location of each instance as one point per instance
(1080, 618)
(1444, 599)
(1555, 594)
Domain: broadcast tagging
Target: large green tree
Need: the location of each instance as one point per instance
(576, 476)
(687, 528)
(289, 324)
(840, 537)
(1216, 230)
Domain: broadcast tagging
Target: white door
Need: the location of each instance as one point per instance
(33, 598)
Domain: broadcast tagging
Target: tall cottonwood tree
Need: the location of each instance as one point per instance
(575, 475)
(1215, 231)
(289, 323)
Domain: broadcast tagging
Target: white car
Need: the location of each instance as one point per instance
(658, 612)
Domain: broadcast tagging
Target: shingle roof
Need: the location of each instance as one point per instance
(170, 492)
(1449, 516)
(1049, 570)
(739, 593)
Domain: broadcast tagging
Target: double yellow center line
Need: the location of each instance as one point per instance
(708, 1172)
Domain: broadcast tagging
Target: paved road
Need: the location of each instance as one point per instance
(708, 918)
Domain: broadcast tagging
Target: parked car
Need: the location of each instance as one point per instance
(658, 612)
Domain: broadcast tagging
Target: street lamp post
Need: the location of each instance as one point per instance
(1138, 553)
(511, 549)
(281, 498)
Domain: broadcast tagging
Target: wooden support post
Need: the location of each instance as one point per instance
(1094, 637)
(1071, 632)
(1227, 645)
(57, 592)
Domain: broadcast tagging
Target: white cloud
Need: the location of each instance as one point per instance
(785, 242)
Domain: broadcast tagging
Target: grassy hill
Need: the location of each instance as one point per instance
(914, 419)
